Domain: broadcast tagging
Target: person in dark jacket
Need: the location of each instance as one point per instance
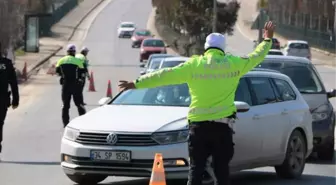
(7, 78)
(72, 71)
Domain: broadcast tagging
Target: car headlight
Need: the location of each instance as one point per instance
(164, 138)
(70, 133)
(320, 113)
(142, 51)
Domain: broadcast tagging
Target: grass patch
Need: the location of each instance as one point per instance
(20, 52)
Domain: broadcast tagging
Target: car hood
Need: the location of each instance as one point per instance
(141, 37)
(153, 48)
(315, 100)
(126, 29)
(128, 118)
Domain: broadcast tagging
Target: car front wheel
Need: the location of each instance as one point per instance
(87, 179)
(295, 160)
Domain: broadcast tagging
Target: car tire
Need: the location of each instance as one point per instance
(133, 46)
(327, 153)
(87, 179)
(295, 160)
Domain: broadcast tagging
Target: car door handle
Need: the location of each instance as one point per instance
(284, 112)
(256, 116)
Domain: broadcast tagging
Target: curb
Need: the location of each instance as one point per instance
(36, 66)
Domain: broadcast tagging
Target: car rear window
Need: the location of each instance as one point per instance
(298, 46)
(153, 43)
(143, 33)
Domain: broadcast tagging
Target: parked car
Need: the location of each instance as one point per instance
(150, 46)
(139, 36)
(297, 48)
(172, 61)
(307, 80)
(126, 134)
(155, 64)
(275, 43)
(275, 52)
(126, 29)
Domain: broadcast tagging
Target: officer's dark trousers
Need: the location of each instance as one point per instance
(82, 86)
(3, 113)
(210, 139)
(74, 91)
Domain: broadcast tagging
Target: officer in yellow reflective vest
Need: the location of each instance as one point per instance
(71, 70)
(212, 79)
(83, 56)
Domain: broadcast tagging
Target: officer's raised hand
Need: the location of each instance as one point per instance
(269, 29)
(125, 85)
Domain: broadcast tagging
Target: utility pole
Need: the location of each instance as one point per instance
(334, 3)
(214, 20)
(260, 24)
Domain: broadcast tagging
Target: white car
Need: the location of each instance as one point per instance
(275, 52)
(172, 61)
(298, 48)
(126, 29)
(120, 138)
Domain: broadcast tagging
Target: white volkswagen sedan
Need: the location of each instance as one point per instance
(126, 29)
(120, 138)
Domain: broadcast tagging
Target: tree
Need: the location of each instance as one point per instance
(11, 19)
(227, 16)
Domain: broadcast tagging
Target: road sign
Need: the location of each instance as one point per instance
(263, 3)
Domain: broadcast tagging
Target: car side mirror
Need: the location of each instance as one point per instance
(142, 65)
(331, 93)
(254, 41)
(142, 72)
(104, 101)
(242, 106)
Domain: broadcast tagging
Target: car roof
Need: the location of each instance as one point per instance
(277, 50)
(127, 23)
(261, 72)
(175, 59)
(297, 41)
(153, 39)
(291, 59)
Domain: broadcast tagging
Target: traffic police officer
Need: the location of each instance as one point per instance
(212, 79)
(7, 78)
(71, 71)
(83, 56)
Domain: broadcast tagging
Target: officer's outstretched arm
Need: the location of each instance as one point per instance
(247, 63)
(13, 84)
(168, 76)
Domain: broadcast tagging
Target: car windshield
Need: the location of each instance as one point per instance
(303, 76)
(127, 25)
(173, 95)
(170, 63)
(298, 46)
(155, 64)
(143, 33)
(153, 43)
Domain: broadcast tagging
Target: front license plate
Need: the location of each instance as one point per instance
(106, 155)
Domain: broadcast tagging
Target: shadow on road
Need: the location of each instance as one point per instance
(315, 160)
(30, 162)
(249, 178)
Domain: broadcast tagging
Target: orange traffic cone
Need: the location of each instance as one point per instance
(91, 85)
(109, 90)
(158, 176)
(52, 70)
(24, 72)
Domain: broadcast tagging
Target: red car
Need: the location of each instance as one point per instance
(139, 36)
(150, 46)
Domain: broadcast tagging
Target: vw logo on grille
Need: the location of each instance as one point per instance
(112, 138)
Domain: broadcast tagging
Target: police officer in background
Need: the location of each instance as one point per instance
(71, 70)
(7, 78)
(83, 56)
(212, 79)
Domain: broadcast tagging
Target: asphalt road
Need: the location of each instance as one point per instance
(33, 132)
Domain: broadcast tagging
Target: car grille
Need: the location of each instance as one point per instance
(123, 139)
(128, 33)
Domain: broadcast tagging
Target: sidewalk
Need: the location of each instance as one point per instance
(62, 32)
(248, 13)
